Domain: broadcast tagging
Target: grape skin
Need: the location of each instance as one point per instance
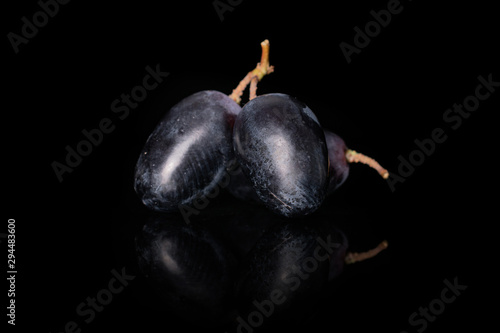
(281, 148)
(188, 152)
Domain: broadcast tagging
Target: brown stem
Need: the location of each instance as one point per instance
(353, 257)
(262, 69)
(253, 88)
(238, 91)
(353, 156)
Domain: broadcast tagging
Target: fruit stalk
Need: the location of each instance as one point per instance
(253, 88)
(262, 69)
(353, 257)
(353, 156)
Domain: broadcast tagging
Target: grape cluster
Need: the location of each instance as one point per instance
(272, 258)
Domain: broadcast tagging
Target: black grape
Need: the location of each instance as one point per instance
(339, 167)
(341, 156)
(281, 148)
(241, 187)
(188, 153)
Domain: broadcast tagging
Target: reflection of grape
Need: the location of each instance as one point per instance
(289, 267)
(281, 148)
(188, 267)
(188, 152)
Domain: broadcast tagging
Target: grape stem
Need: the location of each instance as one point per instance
(353, 156)
(254, 76)
(353, 257)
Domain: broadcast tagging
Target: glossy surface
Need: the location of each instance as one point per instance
(190, 271)
(281, 148)
(339, 168)
(188, 152)
(241, 225)
(214, 270)
(288, 269)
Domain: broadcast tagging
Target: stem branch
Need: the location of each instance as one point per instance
(254, 76)
(353, 156)
(253, 88)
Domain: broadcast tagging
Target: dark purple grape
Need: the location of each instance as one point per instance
(189, 270)
(241, 187)
(339, 167)
(188, 153)
(340, 157)
(281, 148)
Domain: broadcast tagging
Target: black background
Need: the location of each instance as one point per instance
(71, 234)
